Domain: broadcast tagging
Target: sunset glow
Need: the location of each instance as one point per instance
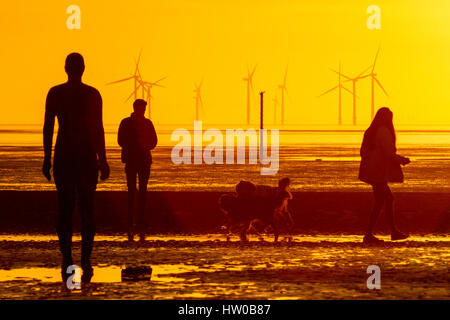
(188, 41)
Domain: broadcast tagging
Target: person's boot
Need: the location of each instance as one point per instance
(397, 235)
(371, 239)
(86, 250)
(64, 266)
(88, 273)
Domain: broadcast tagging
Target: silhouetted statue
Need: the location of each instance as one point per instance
(79, 154)
(380, 164)
(137, 136)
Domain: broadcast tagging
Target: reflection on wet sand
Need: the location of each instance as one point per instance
(207, 267)
(25, 237)
(103, 274)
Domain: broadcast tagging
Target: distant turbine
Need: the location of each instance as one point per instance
(353, 80)
(198, 100)
(249, 80)
(137, 79)
(340, 87)
(283, 90)
(374, 79)
(148, 87)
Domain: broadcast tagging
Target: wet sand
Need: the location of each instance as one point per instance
(312, 168)
(208, 267)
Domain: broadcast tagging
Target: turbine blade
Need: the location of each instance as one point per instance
(121, 80)
(365, 70)
(137, 88)
(340, 73)
(159, 80)
(157, 85)
(137, 62)
(328, 91)
(151, 84)
(346, 90)
(379, 84)
(139, 74)
(253, 72)
(375, 61)
(364, 76)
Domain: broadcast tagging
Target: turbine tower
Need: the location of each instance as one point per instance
(249, 80)
(198, 100)
(283, 90)
(339, 86)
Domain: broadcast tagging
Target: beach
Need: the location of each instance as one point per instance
(207, 267)
(187, 248)
(324, 167)
(192, 260)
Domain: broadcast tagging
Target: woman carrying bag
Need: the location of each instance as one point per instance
(380, 165)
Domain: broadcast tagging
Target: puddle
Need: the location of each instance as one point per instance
(110, 274)
(316, 267)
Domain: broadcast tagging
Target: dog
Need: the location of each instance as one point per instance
(256, 208)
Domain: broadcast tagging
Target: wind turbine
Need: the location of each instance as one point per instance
(353, 80)
(136, 77)
(249, 80)
(147, 86)
(283, 90)
(339, 86)
(374, 79)
(198, 100)
(139, 83)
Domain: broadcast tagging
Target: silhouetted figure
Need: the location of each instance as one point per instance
(79, 154)
(137, 136)
(380, 164)
(282, 215)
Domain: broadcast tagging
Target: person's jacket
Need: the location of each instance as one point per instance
(380, 163)
(137, 136)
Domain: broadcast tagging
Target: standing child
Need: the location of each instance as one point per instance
(282, 217)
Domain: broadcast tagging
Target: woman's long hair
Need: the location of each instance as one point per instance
(383, 118)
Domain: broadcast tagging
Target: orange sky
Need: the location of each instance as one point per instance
(188, 40)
